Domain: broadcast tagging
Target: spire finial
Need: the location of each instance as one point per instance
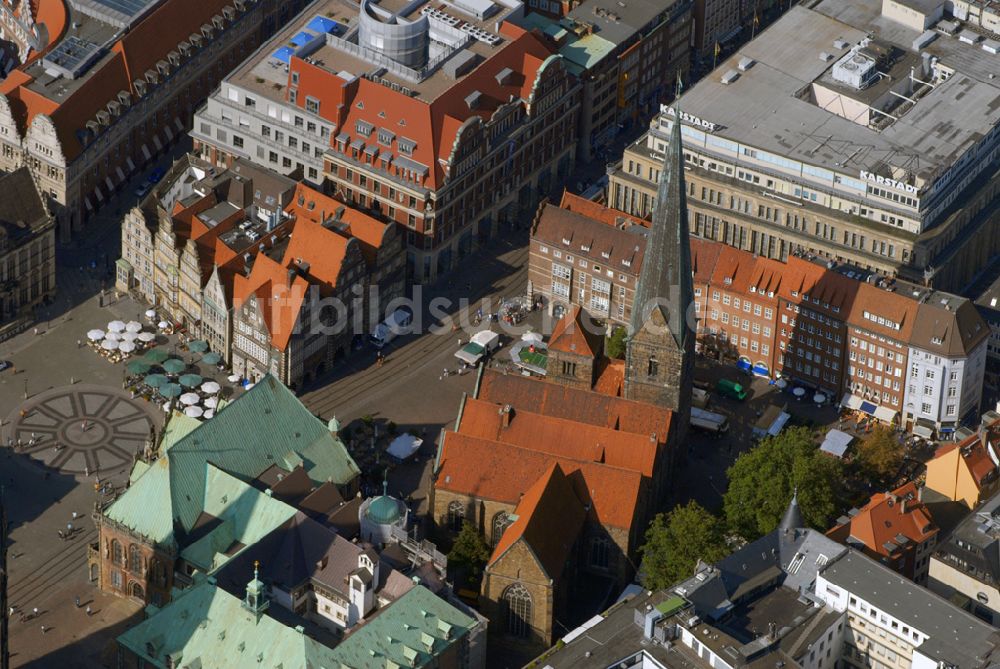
(678, 89)
(256, 569)
(385, 482)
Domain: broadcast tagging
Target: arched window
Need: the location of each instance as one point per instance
(517, 610)
(600, 552)
(501, 522)
(117, 554)
(134, 559)
(653, 368)
(456, 515)
(158, 572)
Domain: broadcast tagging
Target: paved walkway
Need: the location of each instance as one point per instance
(81, 429)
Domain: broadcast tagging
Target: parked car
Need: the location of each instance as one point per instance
(5, 364)
(143, 189)
(156, 175)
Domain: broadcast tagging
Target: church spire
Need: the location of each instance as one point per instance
(665, 279)
(792, 520)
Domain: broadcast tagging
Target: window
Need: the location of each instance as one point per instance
(517, 610)
(116, 579)
(569, 368)
(600, 552)
(925, 408)
(117, 554)
(237, 141)
(134, 559)
(456, 515)
(653, 366)
(501, 522)
(312, 105)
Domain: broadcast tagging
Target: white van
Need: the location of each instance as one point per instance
(396, 324)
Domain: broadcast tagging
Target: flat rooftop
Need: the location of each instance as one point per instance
(956, 637)
(318, 34)
(768, 107)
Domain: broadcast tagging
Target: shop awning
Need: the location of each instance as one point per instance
(157, 142)
(761, 370)
(145, 152)
(111, 185)
(836, 443)
(120, 173)
(130, 163)
(743, 364)
(885, 414)
(923, 431)
(170, 133)
(177, 122)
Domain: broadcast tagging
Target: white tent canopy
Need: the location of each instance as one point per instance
(109, 344)
(150, 313)
(95, 335)
(836, 443)
(126, 347)
(116, 326)
(404, 446)
(147, 336)
(133, 326)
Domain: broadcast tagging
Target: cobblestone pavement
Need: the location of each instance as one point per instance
(80, 429)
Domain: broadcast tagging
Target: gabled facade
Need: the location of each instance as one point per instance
(121, 94)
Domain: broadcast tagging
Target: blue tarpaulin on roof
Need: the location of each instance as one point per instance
(321, 24)
(302, 38)
(284, 54)
(868, 408)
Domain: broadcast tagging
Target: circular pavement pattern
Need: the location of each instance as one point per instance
(80, 429)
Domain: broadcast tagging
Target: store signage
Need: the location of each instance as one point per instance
(885, 181)
(690, 119)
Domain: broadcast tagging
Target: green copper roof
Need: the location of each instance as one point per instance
(246, 515)
(408, 633)
(266, 426)
(207, 627)
(383, 510)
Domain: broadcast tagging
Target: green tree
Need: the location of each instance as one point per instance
(469, 549)
(677, 540)
(615, 344)
(761, 482)
(880, 455)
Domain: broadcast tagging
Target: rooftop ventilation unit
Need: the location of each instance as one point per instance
(925, 38)
(730, 76)
(825, 57)
(840, 44)
(746, 63)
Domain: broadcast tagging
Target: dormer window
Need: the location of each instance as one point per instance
(605, 254)
(565, 240)
(364, 128)
(626, 262)
(406, 146)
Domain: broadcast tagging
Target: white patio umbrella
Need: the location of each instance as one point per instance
(109, 344)
(819, 398)
(162, 325)
(194, 412)
(146, 336)
(799, 392)
(532, 336)
(133, 326)
(113, 336)
(95, 335)
(211, 402)
(208, 414)
(233, 378)
(781, 383)
(150, 313)
(190, 398)
(126, 346)
(116, 326)
(129, 336)
(210, 387)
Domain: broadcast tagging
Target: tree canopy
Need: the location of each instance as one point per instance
(615, 345)
(762, 480)
(677, 540)
(469, 549)
(880, 455)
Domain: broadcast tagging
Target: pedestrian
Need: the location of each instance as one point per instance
(36, 330)
(34, 612)
(43, 629)
(89, 611)
(79, 343)
(77, 600)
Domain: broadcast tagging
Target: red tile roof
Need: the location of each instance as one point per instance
(278, 299)
(432, 125)
(887, 516)
(318, 208)
(610, 377)
(558, 436)
(893, 306)
(501, 472)
(549, 518)
(576, 333)
(322, 248)
(597, 211)
(583, 406)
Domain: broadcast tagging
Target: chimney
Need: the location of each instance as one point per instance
(291, 275)
(902, 506)
(507, 413)
(772, 631)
